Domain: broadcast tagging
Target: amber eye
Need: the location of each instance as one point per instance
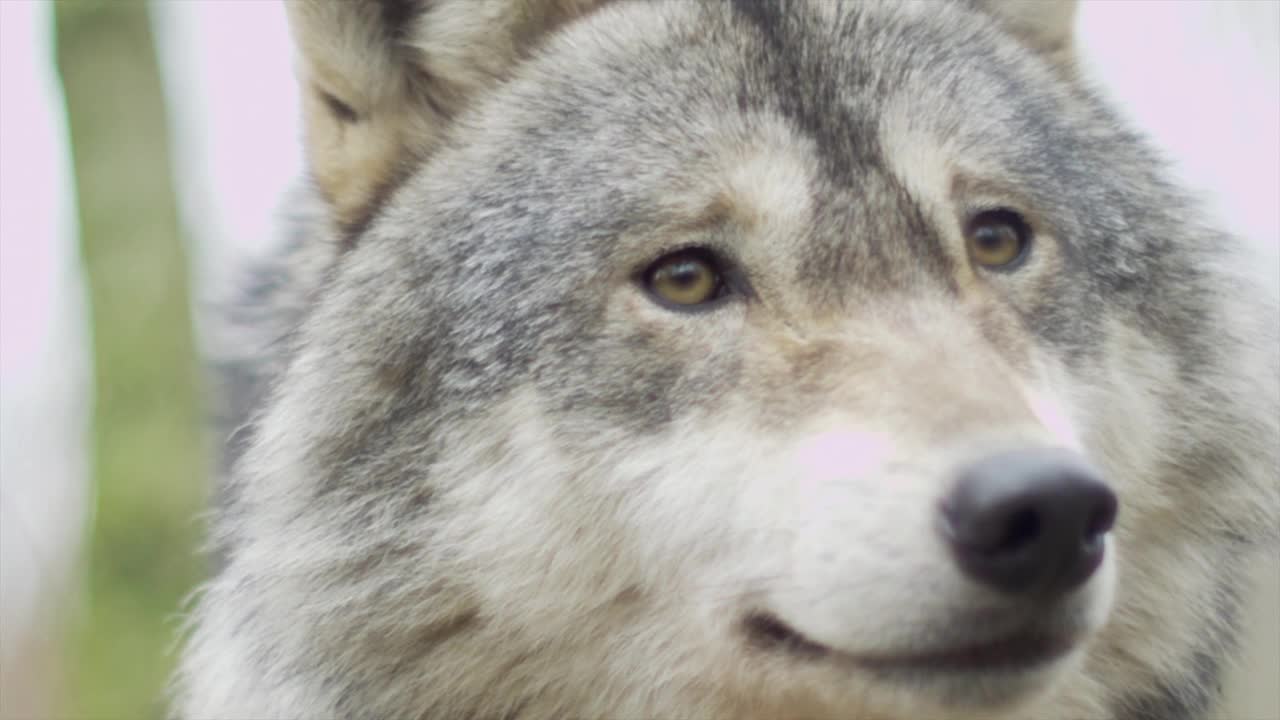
(685, 278)
(998, 238)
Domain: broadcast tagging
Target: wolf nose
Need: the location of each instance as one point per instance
(1029, 522)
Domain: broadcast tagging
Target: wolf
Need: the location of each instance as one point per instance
(732, 359)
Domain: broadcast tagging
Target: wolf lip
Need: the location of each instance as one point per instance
(1023, 650)
(1015, 652)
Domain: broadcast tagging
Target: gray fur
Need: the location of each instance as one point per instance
(455, 492)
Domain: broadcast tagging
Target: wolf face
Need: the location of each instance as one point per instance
(673, 359)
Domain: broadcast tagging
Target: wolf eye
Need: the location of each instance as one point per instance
(685, 278)
(998, 239)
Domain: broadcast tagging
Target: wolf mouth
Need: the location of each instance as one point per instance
(1027, 649)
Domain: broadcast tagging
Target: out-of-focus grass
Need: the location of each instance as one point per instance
(149, 462)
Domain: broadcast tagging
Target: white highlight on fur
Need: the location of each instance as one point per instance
(772, 185)
(1053, 416)
(841, 453)
(844, 504)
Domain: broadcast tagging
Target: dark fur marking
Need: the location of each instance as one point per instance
(921, 236)
(342, 111)
(429, 638)
(435, 635)
(1178, 698)
(767, 633)
(397, 15)
(629, 595)
(801, 79)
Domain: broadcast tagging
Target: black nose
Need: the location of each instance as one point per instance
(1029, 522)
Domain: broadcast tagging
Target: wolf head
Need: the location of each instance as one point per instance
(736, 359)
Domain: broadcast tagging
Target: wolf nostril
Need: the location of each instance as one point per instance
(1029, 522)
(1023, 528)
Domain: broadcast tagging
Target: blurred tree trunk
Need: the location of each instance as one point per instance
(148, 461)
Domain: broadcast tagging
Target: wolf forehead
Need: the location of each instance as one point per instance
(611, 111)
(628, 142)
(869, 118)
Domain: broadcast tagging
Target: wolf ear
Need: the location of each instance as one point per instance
(1047, 26)
(381, 80)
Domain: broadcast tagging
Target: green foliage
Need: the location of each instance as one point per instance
(149, 460)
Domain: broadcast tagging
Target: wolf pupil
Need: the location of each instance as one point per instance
(996, 239)
(686, 274)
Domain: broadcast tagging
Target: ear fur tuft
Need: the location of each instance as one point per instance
(381, 80)
(1048, 26)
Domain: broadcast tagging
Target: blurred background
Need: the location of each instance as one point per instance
(143, 150)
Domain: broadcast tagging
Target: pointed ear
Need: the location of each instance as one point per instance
(1047, 26)
(381, 80)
